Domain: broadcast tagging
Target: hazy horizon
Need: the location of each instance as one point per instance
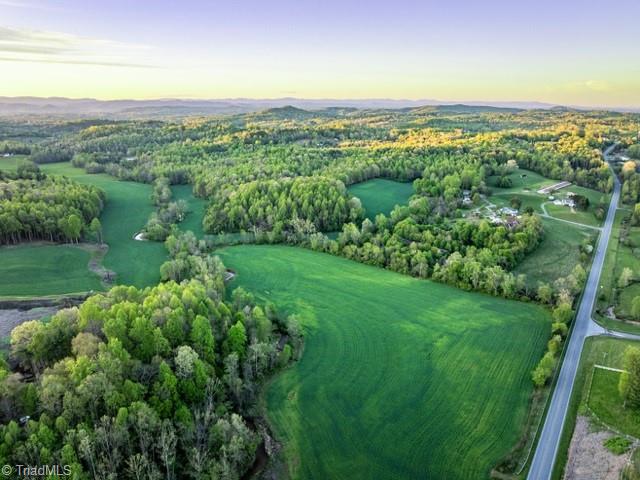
(574, 53)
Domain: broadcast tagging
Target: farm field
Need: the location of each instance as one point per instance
(400, 378)
(32, 270)
(381, 196)
(558, 253)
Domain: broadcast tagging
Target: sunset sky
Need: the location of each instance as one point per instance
(570, 52)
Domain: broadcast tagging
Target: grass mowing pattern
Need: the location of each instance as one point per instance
(381, 196)
(400, 378)
(32, 270)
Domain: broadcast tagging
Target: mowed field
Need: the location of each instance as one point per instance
(33, 270)
(558, 253)
(381, 195)
(136, 263)
(600, 390)
(596, 392)
(400, 378)
(126, 212)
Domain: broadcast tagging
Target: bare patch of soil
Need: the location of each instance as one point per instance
(588, 458)
(9, 319)
(98, 251)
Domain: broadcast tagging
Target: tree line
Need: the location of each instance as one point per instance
(270, 204)
(38, 207)
(167, 214)
(152, 383)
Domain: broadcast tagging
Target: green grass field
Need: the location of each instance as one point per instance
(381, 195)
(625, 300)
(33, 270)
(607, 404)
(10, 164)
(197, 208)
(610, 269)
(558, 253)
(400, 378)
(126, 212)
(522, 179)
(619, 256)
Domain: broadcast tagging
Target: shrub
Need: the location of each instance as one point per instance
(617, 445)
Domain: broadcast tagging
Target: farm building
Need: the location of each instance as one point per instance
(553, 188)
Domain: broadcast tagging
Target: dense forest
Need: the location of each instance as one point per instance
(153, 383)
(344, 144)
(162, 382)
(38, 207)
(269, 204)
(281, 174)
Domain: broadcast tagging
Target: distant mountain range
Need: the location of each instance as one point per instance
(83, 107)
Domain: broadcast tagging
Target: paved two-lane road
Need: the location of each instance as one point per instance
(545, 455)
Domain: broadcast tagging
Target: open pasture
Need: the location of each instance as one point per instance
(400, 378)
(381, 195)
(35, 269)
(557, 254)
(127, 209)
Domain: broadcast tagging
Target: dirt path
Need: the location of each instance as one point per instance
(545, 214)
(589, 459)
(97, 252)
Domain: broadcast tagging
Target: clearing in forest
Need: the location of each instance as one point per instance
(381, 195)
(126, 211)
(56, 269)
(196, 208)
(400, 378)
